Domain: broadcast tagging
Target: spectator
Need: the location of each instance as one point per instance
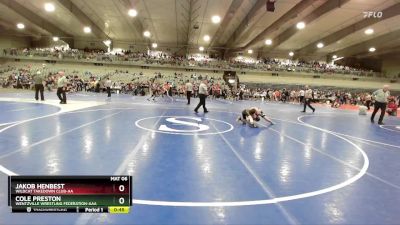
(368, 99)
(392, 108)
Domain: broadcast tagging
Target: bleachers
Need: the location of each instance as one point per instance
(127, 73)
(119, 74)
(141, 59)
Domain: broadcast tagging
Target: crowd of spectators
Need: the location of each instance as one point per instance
(122, 81)
(203, 61)
(330, 96)
(138, 84)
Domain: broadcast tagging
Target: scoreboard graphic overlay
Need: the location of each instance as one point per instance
(70, 194)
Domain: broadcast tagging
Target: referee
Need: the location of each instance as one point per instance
(308, 97)
(61, 87)
(189, 89)
(108, 84)
(38, 79)
(203, 92)
(381, 99)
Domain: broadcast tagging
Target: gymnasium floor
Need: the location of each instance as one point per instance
(330, 167)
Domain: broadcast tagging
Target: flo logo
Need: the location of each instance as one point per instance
(184, 125)
(373, 14)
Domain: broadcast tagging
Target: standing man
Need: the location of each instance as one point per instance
(107, 84)
(308, 97)
(168, 92)
(381, 98)
(368, 99)
(38, 79)
(154, 91)
(241, 92)
(203, 92)
(61, 87)
(301, 94)
(189, 89)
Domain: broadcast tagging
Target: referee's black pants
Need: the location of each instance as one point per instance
(377, 106)
(202, 102)
(188, 95)
(307, 102)
(61, 95)
(39, 88)
(108, 92)
(368, 104)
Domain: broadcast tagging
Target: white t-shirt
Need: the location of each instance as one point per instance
(189, 86)
(203, 89)
(62, 81)
(107, 83)
(264, 94)
(308, 93)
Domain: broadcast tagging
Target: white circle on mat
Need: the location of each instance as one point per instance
(185, 125)
(362, 172)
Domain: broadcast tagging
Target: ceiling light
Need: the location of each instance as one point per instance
(300, 25)
(334, 56)
(291, 54)
(216, 19)
(20, 26)
(107, 42)
(132, 13)
(372, 49)
(268, 42)
(49, 7)
(201, 48)
(154, 45)
(56, 38)
(146, 33)
(250, 51)
(320, 45)
(369, 31)
(87, 29)
(206, 38)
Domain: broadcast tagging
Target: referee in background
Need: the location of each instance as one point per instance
(381, 98)
(189, 89)
(61, 87)
(308, 97)
(108, 84)
(38, 79)
(203, 92)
